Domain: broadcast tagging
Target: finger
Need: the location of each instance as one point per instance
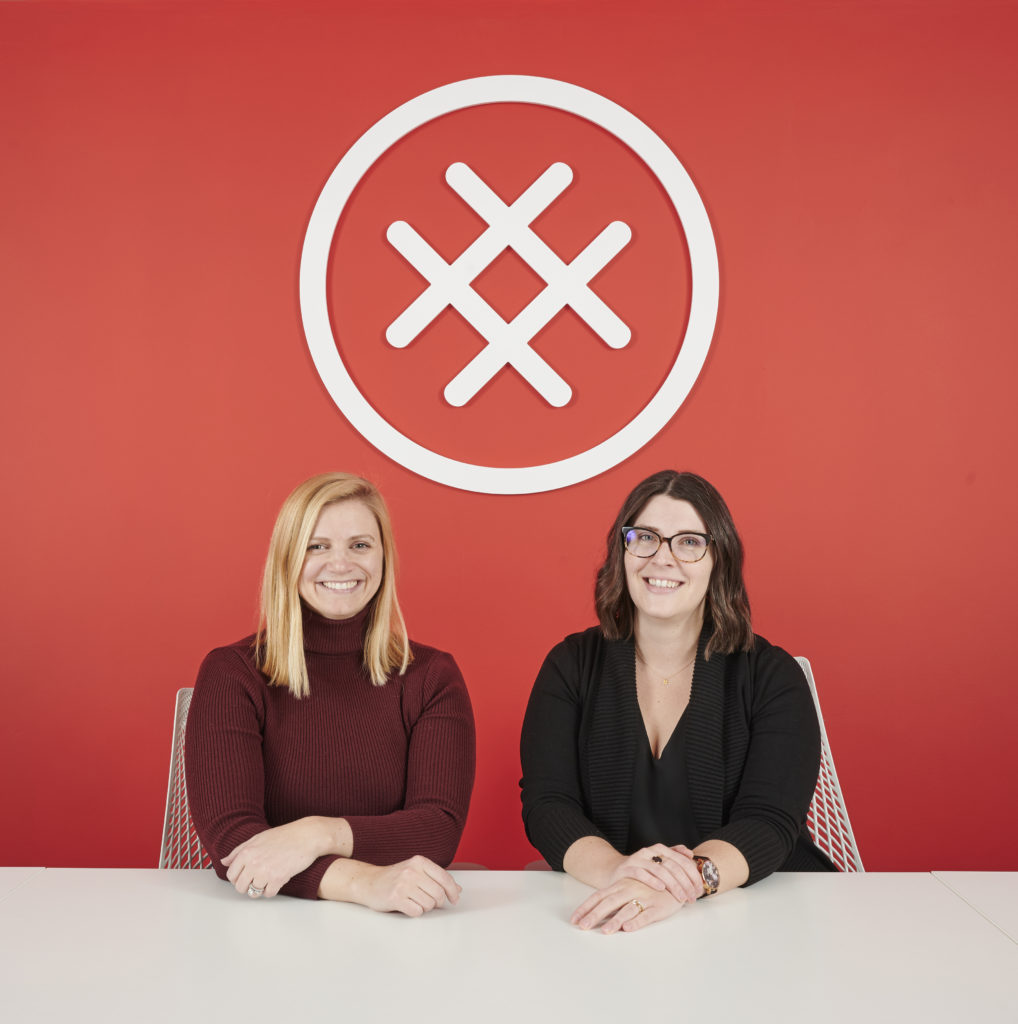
(228, 859)
(410, 907)
(669, 876)
(605, 907)
(679, 884)
(684, 878)
(650, 875)
(624, 915)
(423, 898)
(638, 921)
(450, 887)
(586, 906)
(694, 879)
(433, 890)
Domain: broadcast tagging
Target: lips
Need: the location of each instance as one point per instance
(339, 586)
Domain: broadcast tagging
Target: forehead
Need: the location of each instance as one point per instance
(348, 518)
(670, 516)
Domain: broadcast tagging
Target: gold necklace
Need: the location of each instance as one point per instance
(666, 679)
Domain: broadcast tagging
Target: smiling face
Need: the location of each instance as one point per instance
(344, 562)
(662, 587)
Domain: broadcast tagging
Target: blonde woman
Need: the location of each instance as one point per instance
(328, 755)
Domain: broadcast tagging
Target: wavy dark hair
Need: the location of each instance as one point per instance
(727, 601)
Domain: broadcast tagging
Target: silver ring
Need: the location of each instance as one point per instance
(637, 903)
(255, 892)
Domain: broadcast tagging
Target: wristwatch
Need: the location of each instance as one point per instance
(709, 874)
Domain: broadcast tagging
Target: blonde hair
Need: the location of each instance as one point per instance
(280, 638)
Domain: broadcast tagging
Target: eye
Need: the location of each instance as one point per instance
(692, 541)
(316, 546)
(645, 536)
(361, 545)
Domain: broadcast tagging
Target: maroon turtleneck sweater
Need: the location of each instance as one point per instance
(396, 761)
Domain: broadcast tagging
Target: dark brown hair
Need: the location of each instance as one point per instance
(727, 601)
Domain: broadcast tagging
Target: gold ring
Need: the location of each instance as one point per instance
(637, 903)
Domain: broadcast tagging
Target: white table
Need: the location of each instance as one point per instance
(147, 945)
(993, 893)
(12, 878)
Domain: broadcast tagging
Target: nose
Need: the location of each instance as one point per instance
(664, 555)
(338, 559)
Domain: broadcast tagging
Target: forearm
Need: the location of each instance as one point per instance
(329, 838)
(345, 881)
(432, 831)
(333, 836)
(592, 860)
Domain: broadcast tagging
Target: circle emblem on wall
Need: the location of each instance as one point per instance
(528, 298)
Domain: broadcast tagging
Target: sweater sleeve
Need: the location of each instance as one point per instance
(554, 814)
(780, 768)
(224, 767)
(440, 769)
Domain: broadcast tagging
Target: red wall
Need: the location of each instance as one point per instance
(858, 164)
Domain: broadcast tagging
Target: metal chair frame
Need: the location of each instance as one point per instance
(827, 818)
(181, 847)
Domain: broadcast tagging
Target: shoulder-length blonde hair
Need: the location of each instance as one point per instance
(280, 638)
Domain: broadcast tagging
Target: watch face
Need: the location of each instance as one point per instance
(710, 873)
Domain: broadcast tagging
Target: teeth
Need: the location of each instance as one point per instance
(346, 585)
(667, 584)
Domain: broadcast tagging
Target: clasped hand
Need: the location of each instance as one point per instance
(645, 887)
(270, 859)
(411, 887)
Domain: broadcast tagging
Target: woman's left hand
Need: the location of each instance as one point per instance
(270, 859)
(625, 905)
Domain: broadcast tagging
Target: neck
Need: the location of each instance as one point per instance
(333, 636)
(665, 644)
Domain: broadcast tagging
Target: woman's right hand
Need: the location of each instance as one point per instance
(411, 887)
(662, 868)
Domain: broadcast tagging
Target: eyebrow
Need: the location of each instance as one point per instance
(356, 536)
(660, 532)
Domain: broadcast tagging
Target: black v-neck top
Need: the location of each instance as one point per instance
(752, 751)
(661, 811)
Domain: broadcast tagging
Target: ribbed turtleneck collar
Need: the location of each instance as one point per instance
(333, 636)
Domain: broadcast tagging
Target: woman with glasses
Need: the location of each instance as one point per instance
(329, 756)
(669, 753)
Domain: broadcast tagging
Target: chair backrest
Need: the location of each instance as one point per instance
(181, 847)
(827, 819)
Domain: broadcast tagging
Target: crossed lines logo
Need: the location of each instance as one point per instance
(565, 284)
(454, 286)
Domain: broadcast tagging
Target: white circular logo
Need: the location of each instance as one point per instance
(449, 284)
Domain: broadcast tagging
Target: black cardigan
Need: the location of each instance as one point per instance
(753, 756)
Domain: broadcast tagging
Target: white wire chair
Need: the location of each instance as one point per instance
(827, 818)
(181, 847)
